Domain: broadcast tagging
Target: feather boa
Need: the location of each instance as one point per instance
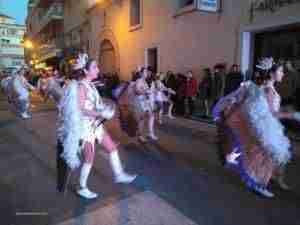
(265, 127)
(69, 129)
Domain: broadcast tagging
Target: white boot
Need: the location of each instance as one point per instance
(265, 192)
(84, 174)
(120, 175)
(142, 139)
(25, 115)
(232, 158)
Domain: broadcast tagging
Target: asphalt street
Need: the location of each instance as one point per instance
(180, 179)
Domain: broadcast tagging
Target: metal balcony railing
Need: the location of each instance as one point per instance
(51, 47)
(54, 12)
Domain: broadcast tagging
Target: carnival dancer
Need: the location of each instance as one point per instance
(143, 105)
(161, 96)
(20, 94)
(54, 89)
(253, 135)
(6, 86)
(42, 85)
(82, 112)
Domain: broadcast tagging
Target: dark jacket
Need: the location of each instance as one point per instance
(232, 82)
(216, 86)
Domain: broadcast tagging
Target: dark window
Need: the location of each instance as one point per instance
(135, 12)
(184, 3)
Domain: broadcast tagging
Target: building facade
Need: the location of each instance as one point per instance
(76, 26)
(177, 35)
(11, 47)
(45, 30)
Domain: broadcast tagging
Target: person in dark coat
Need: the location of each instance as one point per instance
(216, 85)
(171, 81)
(204, 90)
(233, 79)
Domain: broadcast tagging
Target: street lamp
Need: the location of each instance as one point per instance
(28, 44)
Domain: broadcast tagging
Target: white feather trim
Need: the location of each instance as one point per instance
(265, 63)
(265, 127)
(69, 130)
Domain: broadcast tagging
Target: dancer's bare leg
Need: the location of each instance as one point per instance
(151, 121)
(160, 115)
(141, 126)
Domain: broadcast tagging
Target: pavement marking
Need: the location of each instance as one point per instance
(144, 208)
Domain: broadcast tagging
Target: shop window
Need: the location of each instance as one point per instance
(186, 3)
(135, 14)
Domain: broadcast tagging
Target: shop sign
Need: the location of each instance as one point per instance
(210, 5)
(269, 5)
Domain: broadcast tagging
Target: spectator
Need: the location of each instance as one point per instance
(289, 84)
(179, 104)
(171, 81)
(204, 91)
(188, 92)
(217, 84)
(233, 79)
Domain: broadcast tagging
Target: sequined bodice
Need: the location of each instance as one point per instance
(276, 101)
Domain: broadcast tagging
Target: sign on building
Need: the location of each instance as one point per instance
(268, 5)
(210, 5)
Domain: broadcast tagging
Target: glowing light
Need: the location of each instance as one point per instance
(28, 44)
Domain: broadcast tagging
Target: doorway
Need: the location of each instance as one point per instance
(152, 58)
(107, 58)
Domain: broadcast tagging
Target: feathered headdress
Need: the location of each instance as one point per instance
(81, 61)
(265, 63)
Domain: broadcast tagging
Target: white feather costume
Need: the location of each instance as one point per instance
(6, 85)
(74, 127)
(69, 125)
(54, 89)
(265, 127)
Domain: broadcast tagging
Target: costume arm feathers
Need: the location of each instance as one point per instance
(70, 127)
(230, 99)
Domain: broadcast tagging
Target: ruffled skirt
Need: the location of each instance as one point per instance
(258, 161)
(141, 105)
